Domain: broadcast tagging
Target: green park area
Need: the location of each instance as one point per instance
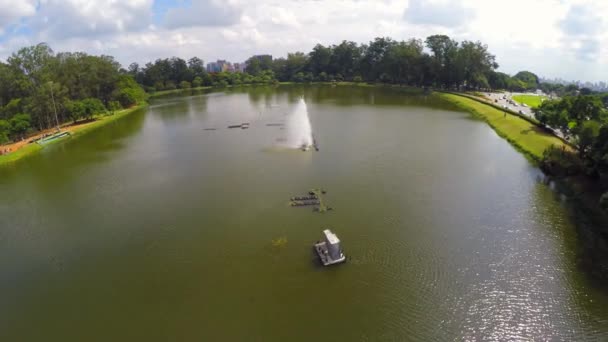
(526, 136)
(532, 101)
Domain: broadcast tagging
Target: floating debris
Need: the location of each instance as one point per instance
(210, 129)
(275, 125)
(279, 242)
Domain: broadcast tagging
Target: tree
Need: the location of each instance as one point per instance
(20, 124)
(5, 131)
(128, 92)
(196, 66)
(258, 64)
(91, 107)
(184, 85)
(319, 59)
(586, 135)
(529, 79)
(114, 106)
(443, 66)
(197, 82)
(76, 110)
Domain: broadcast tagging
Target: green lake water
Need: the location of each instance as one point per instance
(156, 229)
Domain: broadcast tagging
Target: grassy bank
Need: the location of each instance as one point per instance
(532, 101)
(75, 131)
(529, 138)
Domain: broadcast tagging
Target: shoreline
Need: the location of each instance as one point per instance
(25, 148)
(523, 133)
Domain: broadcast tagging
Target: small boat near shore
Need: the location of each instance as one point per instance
(51, 138)
(329, 250)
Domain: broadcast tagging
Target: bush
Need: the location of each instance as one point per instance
(357, 79)
(170, 85)
(184, 85)
(197, 82)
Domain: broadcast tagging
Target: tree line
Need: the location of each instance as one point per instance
(583, 119)
(40, 89)
(447, 64)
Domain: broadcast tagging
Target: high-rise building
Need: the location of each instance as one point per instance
(213, 67)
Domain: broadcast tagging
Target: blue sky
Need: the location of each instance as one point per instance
(554, 38)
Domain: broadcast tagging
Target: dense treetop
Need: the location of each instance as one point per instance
(40, 89)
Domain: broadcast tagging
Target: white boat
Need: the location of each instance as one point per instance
(329, 250)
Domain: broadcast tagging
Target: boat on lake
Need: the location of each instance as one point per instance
(53, 137)
(329, 250)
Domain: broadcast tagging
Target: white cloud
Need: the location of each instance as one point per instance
(544, 36)
(61, 19)
(446, 13)
(203, 13)
(12, 11)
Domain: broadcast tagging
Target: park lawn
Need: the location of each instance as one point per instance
(532, 101)
(524, 135)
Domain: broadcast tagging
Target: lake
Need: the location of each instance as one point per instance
(157, 228)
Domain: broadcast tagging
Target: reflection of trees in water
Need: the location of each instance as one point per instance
(178, 109)
(593, 244)
(262, 95)
(61, 161)
(590, 242)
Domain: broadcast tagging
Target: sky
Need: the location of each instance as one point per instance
(565, 39)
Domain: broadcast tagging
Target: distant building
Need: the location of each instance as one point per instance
(213, 67)
(240, 67)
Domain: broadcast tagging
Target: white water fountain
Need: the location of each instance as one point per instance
(298, 128)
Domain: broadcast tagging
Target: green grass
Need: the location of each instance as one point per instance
(20, 153)
(101, 120)
(529, 138)
(531, 100)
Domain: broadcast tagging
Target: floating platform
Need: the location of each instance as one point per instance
(52, 138)
(329, 250)
(304, 204)
(305, 198)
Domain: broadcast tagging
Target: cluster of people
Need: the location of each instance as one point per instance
(5, 151)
